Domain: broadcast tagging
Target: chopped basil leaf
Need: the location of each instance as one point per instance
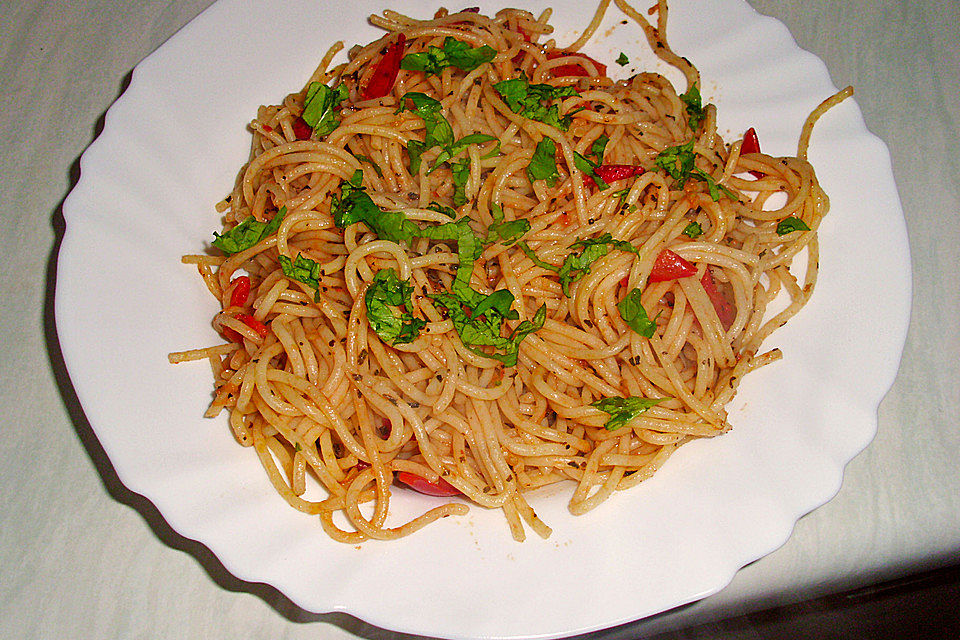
(320, 107)
(528, 100)
(354, 205)
(450, 212)
(577, 265)
(505, 232)
(623, 60)
(454, 149)
(415, 149)
(712, 184)
(439, 133)
(302, 270)
(623, 410)
(543, 164)
(468, 250)
(587, 167)
(248, 233)
(461, 173)
(386, 291)
(791, 224)
(598, 148)
(678, 162)
(693, 230)
(455, 53)
(478, 318)
(694, 106)
(482, 327)
(635, 315)
(363, 158)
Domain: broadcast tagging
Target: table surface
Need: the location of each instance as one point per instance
(83, 557)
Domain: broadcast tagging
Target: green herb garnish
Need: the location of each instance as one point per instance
(530, 100)
(694, 106)
(623, 410)
(302, 270)
(453, 150)
(679, 161)
(693, 230)
(481, 324)
(386, 291)
(454, 53)
(461, 174)
(363, 158)
(577, 265)
(505, 232)
(248, 233)
(450, 212)
(623, 60)
(587, 166)
(478, 318)
(543, 164)
(320, 107)
(791, 224)
(354, 205)
(633, 313)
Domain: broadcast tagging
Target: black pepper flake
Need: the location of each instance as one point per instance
(357, 377)
(362, 357)
(413, 405)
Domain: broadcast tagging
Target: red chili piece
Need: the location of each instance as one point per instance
(611, 172)
(254, 324)
(241, 292)
(386, 72)
(440, 488)
(574, 69)
(301, 129)
(724, 309)
(751, 144)
(670, 266)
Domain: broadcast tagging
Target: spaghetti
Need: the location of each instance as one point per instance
(470, 263)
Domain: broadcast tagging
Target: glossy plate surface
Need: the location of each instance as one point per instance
(170, 149)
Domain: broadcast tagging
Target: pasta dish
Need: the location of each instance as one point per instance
(467, 262)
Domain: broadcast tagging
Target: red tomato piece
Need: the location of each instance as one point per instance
(611, 172)
(441, 488)
(241, 292)
(574, 69)
(254, 324)
(670, 266)
(751, 144)
(385, 73)
(301, 129)
(723, 307)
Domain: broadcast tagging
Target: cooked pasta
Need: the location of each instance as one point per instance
(469, 263)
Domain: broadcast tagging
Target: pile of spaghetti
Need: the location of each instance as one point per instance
(470, 263)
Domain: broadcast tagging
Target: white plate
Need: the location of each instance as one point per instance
(171, 147)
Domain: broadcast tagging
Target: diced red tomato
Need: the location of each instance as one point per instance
(385, 74)
(241, 291)
(440, 488)
(725, 310)
(751, 144)
(670, 266)
(301, 129)
(574, 69)
(254, 324)
(611, 172)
